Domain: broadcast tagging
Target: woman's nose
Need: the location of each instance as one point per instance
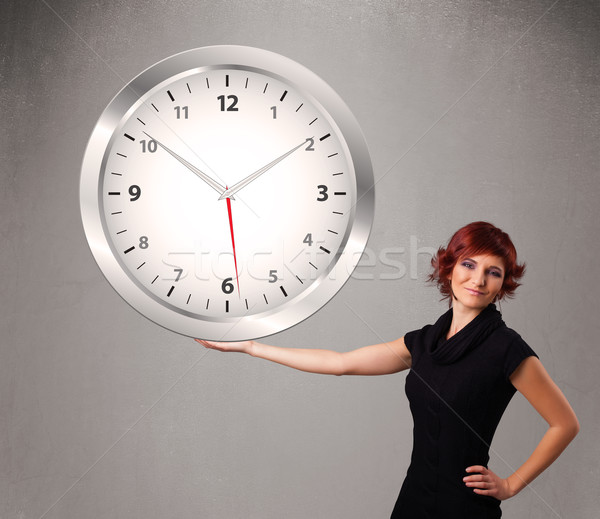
(479, 277)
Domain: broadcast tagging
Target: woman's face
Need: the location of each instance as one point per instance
(476, 280)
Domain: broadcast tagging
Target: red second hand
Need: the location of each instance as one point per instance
(233, 243)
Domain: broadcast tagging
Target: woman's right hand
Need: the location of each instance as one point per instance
(240, 347)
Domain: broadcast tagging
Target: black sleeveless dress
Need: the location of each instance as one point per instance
(458, 390)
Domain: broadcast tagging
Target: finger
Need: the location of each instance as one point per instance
(475, 482)
(476, 468)
(475, 477)
(207, 344)
(478, 484)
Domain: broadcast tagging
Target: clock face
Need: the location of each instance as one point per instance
(227, 193)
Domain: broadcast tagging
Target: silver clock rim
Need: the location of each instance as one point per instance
(227, 328)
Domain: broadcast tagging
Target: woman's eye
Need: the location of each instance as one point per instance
(467, 264)
(496, 273)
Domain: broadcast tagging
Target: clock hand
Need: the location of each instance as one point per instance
(243, 183)
(212, 183)
(237, 279)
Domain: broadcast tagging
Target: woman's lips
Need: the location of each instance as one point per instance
(474, 292)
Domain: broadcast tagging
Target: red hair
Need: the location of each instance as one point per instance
(471, 240)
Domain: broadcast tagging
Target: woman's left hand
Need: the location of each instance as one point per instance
(487, 483)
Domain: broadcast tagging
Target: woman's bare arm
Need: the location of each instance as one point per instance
(533, 381)
(378, 359)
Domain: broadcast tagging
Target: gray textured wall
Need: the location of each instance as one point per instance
(472, 110)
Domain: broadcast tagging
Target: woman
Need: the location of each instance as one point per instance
(464, 369)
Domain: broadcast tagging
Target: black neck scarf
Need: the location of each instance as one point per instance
(447, 351)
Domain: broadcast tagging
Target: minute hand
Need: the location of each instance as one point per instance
(212, 183)
(243, 183)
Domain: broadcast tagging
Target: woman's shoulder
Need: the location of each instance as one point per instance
(507, 335)
(511, 346)
(414, 337)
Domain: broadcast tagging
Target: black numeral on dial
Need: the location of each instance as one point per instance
(232, 106)
(227, 286)
(322, 193)
(135, 192)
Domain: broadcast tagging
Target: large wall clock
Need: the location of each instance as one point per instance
(227, 193)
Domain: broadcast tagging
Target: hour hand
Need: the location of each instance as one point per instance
(210, 181)
(244, 182)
